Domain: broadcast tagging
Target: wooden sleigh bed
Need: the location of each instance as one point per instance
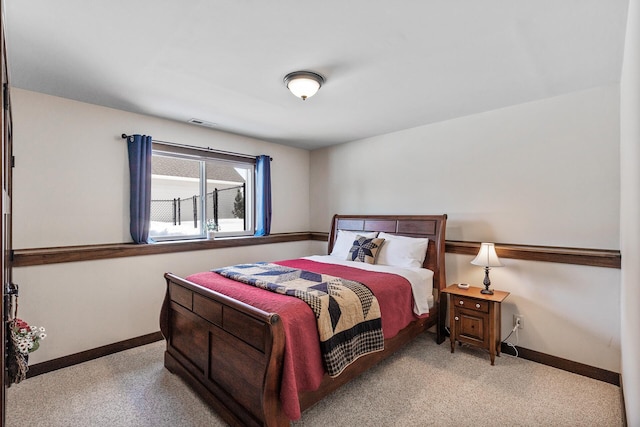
(232, 354)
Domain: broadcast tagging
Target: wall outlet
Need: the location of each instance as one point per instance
(518, 318)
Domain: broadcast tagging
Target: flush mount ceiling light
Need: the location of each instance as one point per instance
(303, 84)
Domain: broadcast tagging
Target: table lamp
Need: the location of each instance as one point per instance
(487, 258)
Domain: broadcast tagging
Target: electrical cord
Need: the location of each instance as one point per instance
(513, 346)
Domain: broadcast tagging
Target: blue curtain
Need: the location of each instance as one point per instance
(263, 195)
(140, 175)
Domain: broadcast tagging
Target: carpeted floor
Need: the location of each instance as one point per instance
(423, 385)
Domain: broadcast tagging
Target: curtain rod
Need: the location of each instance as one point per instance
(195, 147)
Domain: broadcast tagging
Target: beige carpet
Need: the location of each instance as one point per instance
(422, 385)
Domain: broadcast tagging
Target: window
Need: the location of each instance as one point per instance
(191, 188)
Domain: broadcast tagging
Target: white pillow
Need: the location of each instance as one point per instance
(402, 251)
(345, 240)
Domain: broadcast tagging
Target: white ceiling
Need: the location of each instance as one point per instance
(389, 65)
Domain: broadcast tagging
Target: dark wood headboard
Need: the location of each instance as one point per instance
(430, 226)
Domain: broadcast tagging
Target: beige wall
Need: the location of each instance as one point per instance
(630, 213)
(71, 188)
(72, 175)
(541, 173)
(84, 305)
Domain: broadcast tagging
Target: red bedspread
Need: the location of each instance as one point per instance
(303, 369)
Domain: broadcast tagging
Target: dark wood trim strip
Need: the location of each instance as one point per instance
(85, 356)
(565, 364)
(593, 257)
(321, 237)
(40, 256)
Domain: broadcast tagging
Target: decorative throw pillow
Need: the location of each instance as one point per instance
(365, 249)
(345, 239)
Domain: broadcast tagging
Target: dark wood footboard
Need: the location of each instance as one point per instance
(229, 352)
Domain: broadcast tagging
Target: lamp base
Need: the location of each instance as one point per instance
(486, 282)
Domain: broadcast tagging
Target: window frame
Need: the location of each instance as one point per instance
(209, 156)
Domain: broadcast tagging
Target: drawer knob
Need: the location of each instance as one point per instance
(461, 302)
(477, 305)
(457, 318)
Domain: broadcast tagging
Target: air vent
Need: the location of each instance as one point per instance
(202, 123)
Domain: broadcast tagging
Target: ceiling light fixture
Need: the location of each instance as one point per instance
(303, 84)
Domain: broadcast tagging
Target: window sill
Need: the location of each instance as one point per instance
(42, 256)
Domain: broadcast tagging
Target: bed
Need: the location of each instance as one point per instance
(239, 356)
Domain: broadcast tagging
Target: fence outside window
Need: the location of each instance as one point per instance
(227, 203)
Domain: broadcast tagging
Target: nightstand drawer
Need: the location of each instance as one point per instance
(470, 304)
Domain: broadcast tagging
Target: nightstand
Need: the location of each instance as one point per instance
(474, 318)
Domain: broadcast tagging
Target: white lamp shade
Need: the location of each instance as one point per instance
(487, 256)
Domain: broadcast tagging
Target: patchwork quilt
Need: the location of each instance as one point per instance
(347, 312)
